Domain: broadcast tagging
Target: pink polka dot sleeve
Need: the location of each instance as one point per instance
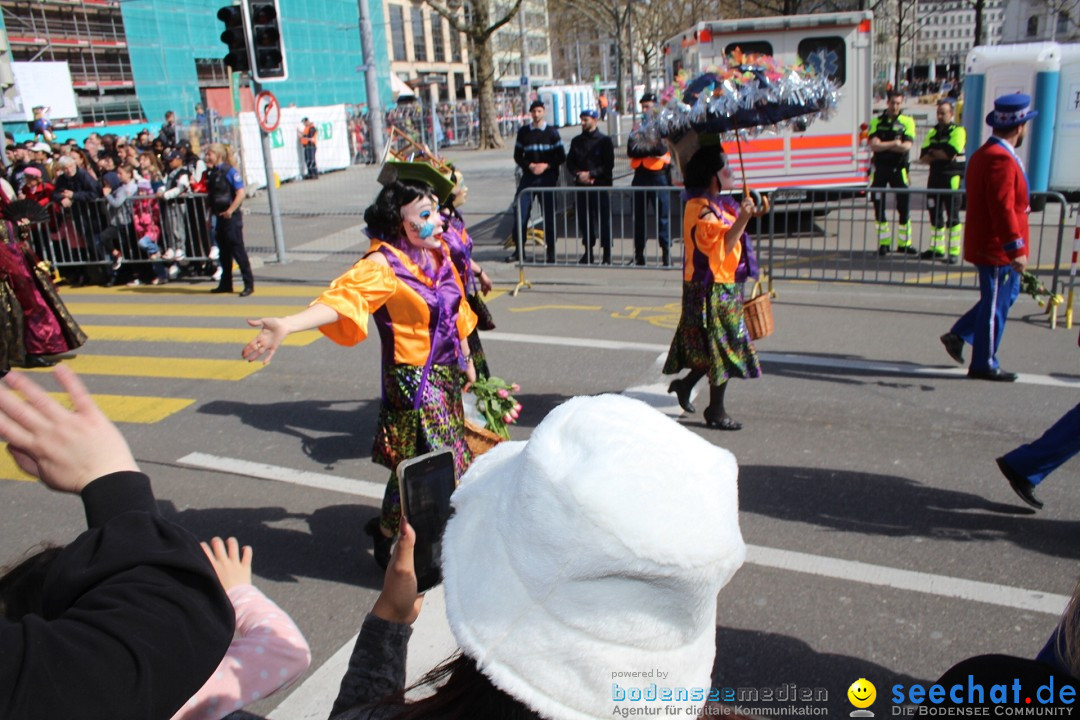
(267, 653)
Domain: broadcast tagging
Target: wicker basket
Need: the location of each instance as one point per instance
(758, 313)
(479, 439)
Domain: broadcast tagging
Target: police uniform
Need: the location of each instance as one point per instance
(891, 170)
(945, 175)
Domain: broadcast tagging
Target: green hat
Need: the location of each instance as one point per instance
(419, 171)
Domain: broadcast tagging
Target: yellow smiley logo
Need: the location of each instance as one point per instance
(862, 693)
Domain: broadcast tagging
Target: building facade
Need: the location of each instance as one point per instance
(947, 30)
(133, 61)
(531, 28)
(1041, 20)
(426, 52)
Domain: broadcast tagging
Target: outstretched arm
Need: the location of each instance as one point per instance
(272, 331)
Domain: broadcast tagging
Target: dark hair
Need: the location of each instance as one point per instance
(383, 217)
(703, 166)
(21, 585)
(463, 692)
(895, 93)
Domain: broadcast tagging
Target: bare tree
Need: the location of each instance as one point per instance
(610, 17)
(802, 7)
(478, 27)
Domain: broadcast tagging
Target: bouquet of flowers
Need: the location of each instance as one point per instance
(496, 403)
(1031, 285)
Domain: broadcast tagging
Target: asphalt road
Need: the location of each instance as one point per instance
(884, 544)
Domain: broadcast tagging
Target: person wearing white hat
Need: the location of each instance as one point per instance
(553, 630)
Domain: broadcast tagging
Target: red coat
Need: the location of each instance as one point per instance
(997, 207)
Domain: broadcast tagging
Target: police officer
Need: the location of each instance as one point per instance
(891, 135)
(591, 162)
(651, 161)
(943, 151)
(538, 152)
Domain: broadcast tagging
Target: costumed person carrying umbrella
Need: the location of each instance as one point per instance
(712, 337)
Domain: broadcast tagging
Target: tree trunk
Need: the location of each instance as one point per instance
(979, 6)
(490, 138)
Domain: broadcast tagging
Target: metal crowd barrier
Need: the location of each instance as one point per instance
(809, 234)
(832, 236)
(85, 233)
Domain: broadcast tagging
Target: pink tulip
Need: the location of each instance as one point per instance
(503, 393)
(508, 418)
(517, 407)
(515, 414)
(515, 387)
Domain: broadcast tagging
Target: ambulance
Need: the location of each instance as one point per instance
(829, 153)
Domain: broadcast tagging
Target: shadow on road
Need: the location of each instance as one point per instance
(331, 547)
(329, 430)
(756, 659)
(891, 506)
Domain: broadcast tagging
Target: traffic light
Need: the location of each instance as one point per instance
(267, 45)
(235, 38)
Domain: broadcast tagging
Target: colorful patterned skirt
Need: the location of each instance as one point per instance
(404, 433)
(712, 335)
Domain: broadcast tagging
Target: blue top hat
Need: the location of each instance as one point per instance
(1010, 111)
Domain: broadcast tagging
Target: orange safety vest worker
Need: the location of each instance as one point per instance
(652, 162)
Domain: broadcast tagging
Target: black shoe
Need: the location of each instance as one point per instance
(907, 250)
(382, 544)
(997, 375)
(606, 259)
(931, 254)
(954, 345)
(219, 290)
(883, 250)
(721, 421)
(39, 361)
(247, 291)
(1020, 485)
(639, 261)
(682, 393)
(665, 256)
(585, 259)
(951, 260)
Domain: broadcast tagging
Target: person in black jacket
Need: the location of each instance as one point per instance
(538, 152)
(79, 196)
(591, 162)
(129, 620)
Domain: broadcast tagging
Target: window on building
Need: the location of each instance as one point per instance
(537, 45)
(826, 55)
(1033, 26)
(1063, 23)
(455, 46)
(750, 48)
(420, 53)
(459, 85)
(538, 69)
(438, 43)
(397, 32)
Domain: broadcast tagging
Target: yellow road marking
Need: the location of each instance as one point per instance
(664, 316)
(221, 336)
(310, 291)
(240, 309)
(556, 307)
(160, 367)
(118, 408)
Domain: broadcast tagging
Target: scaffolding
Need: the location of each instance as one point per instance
(88, 35)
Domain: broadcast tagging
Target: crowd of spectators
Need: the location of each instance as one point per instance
(114, 199)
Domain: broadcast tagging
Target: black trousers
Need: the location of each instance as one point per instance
(661, 203)
(525, 200)
(230, 239)
(895, 178)
(943, 206)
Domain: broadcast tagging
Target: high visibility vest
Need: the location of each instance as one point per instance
(653, 162)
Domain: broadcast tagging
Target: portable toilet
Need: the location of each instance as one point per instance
(551, 104)
(996, 70)
(1064, 168)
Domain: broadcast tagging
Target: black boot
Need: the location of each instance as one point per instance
(383, 544)
(715, 415)
(665, 253)
(606, 257)
(683, 387)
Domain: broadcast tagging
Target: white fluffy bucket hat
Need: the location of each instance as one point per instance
(594, 550)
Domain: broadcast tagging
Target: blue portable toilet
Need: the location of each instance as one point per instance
(996, 70)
